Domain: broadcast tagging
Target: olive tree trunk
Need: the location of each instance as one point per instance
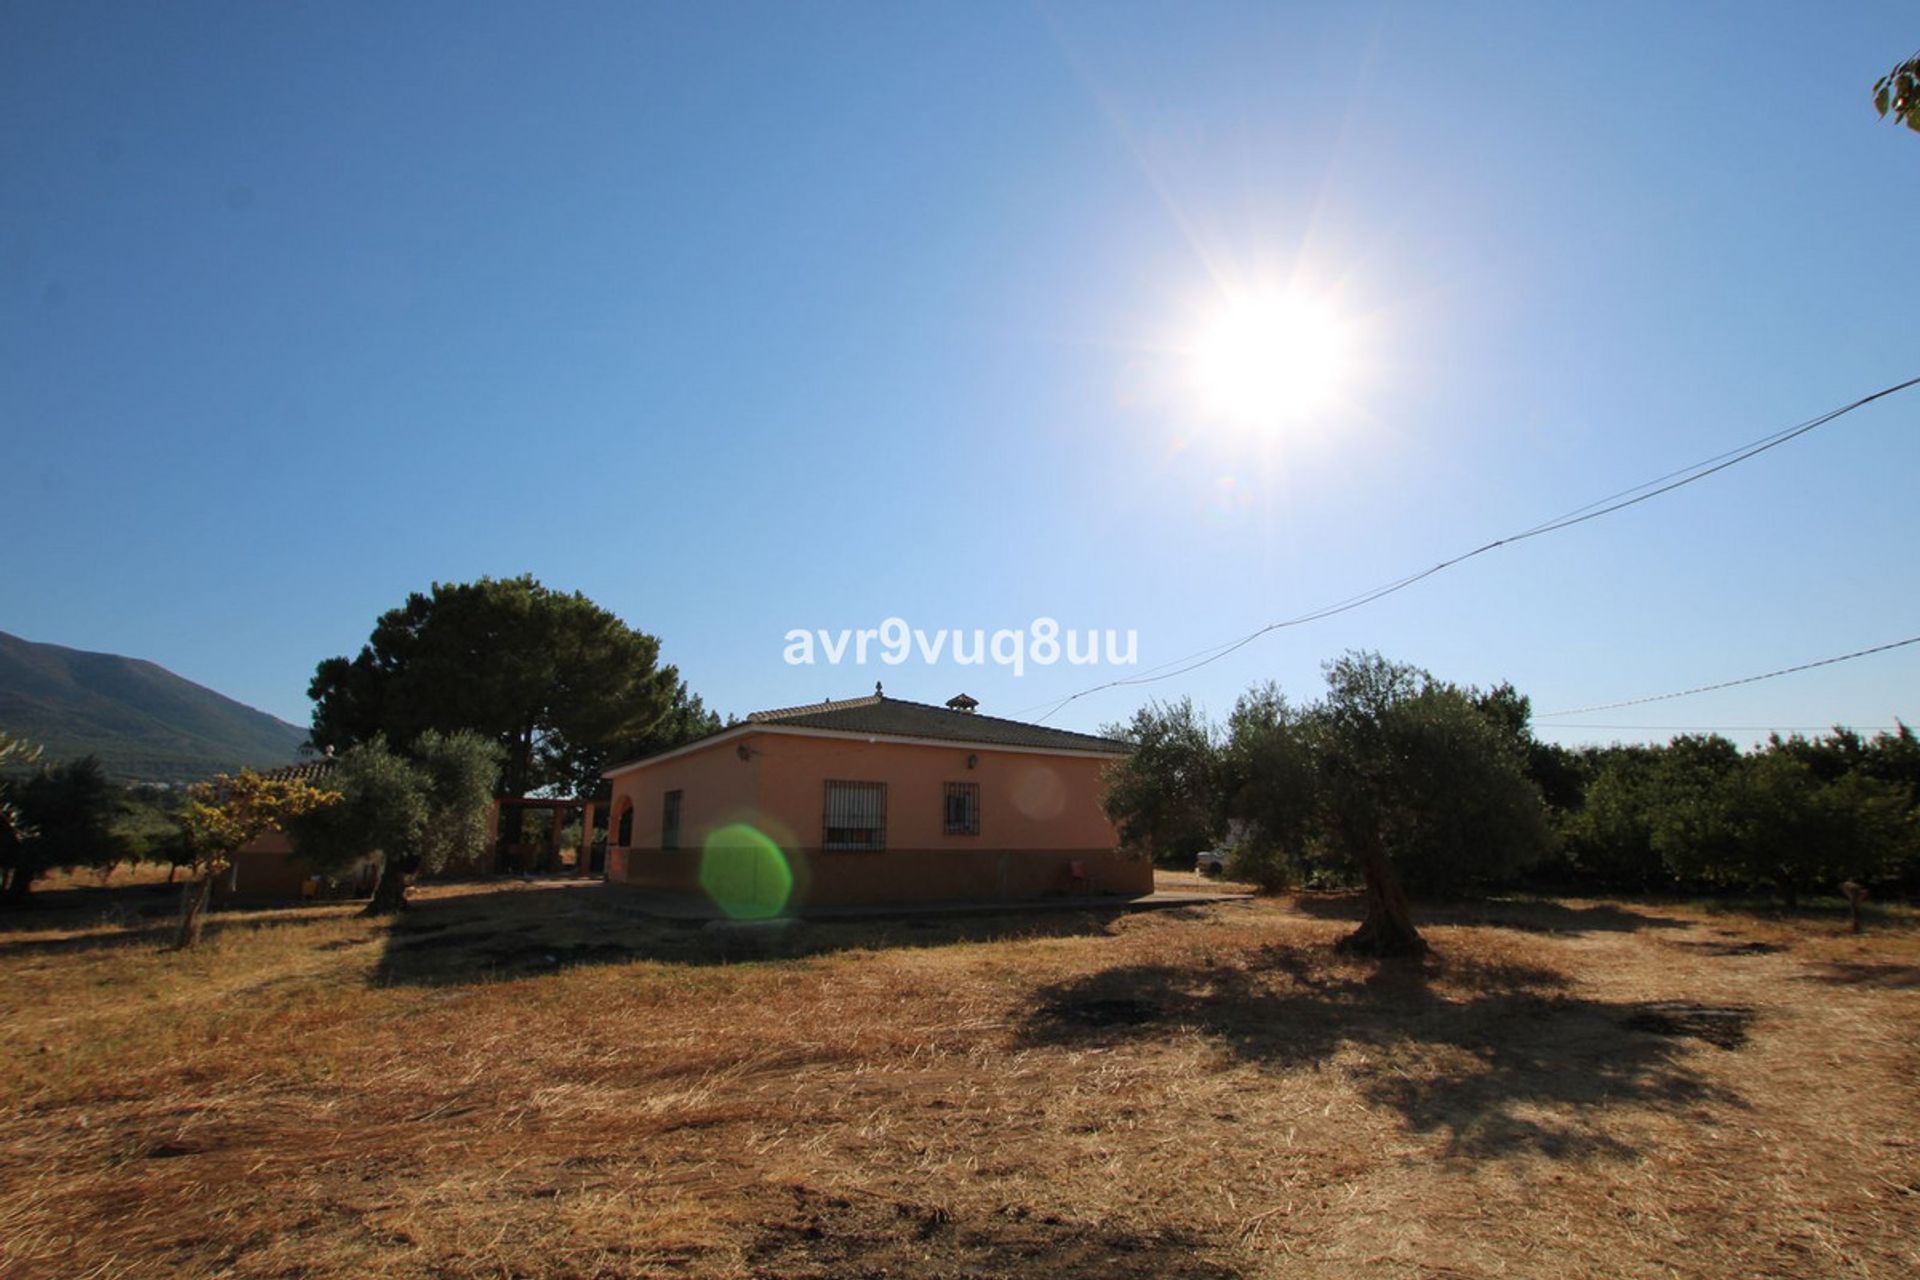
(1388, 928)
(194, 895)
(389, 891)
(1856, 894)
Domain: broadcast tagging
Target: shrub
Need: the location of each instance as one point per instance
(1262, 864)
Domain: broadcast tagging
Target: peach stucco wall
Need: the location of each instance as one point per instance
(268, 870)
(1039, 813)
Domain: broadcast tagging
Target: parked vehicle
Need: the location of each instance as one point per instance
(1211, 862)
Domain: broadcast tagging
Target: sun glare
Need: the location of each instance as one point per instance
(1270, 360)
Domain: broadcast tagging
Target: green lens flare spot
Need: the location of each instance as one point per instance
(745, 873)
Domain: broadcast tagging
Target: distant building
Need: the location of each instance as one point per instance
(878, 800)
(268, 870)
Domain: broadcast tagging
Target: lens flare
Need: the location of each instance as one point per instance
(1039, 793)
(745, 873)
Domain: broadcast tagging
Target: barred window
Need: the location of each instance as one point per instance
(856, 815)
(670, 821)
(963, 809)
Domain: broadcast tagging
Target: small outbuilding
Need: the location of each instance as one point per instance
(267, 869)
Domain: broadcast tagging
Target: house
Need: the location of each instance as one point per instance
(266, 869)
(872, 801)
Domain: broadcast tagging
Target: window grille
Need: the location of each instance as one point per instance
(963, 809)
(670, 821)
(856, 815)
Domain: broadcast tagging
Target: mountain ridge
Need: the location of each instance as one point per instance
(146, 723)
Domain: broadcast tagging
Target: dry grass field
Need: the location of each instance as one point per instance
(530, 1080)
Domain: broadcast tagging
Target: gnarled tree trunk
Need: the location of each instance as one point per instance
(193, 909)
(389, 891)
(1388, 928)
(1856, 894)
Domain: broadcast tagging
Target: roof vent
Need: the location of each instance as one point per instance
(962, 703)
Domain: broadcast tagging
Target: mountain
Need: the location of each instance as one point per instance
(144, 722)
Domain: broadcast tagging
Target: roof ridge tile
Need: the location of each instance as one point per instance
(813, 708)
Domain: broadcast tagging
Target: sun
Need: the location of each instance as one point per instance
(1270, 359)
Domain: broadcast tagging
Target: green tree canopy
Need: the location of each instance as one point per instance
(13, 752)
(416, 812)
(1897, 94)
(458, 771)
(1788, 827)
(1414, 777)
(148, 827)
(562, 685)
(66, 814)
(1690, 808)
(1267, 783)
(1607, 834)
(1773, 820)
(1391, 772)
(1164, 797)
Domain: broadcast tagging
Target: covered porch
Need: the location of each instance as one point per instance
(555, 852)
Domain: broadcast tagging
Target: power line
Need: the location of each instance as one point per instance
(1730, 728)
(1724, 684)
(1579, 515)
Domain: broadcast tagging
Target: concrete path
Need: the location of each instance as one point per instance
(688, 907)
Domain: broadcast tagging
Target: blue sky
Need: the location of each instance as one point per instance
(749, 318)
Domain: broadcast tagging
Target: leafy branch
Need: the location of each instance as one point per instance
(1897, 94)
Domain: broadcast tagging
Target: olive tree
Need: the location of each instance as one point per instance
(222, 816)
(1406, 778)
(1415, 778)
(1164, 796)
(415, 812)
(1269, 787)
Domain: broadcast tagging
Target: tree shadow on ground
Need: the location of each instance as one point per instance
(811, 1234)
(513, 932)
(1524, 914)
(136, 916)
(1848, 973)
(1501, 1059)
(81, 906)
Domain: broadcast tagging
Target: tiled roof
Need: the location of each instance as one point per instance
(884, 717)
(813, 708)
(876, 716)
(302, 770)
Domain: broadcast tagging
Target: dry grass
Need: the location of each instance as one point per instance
(1193, 882)
(529, 1080)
